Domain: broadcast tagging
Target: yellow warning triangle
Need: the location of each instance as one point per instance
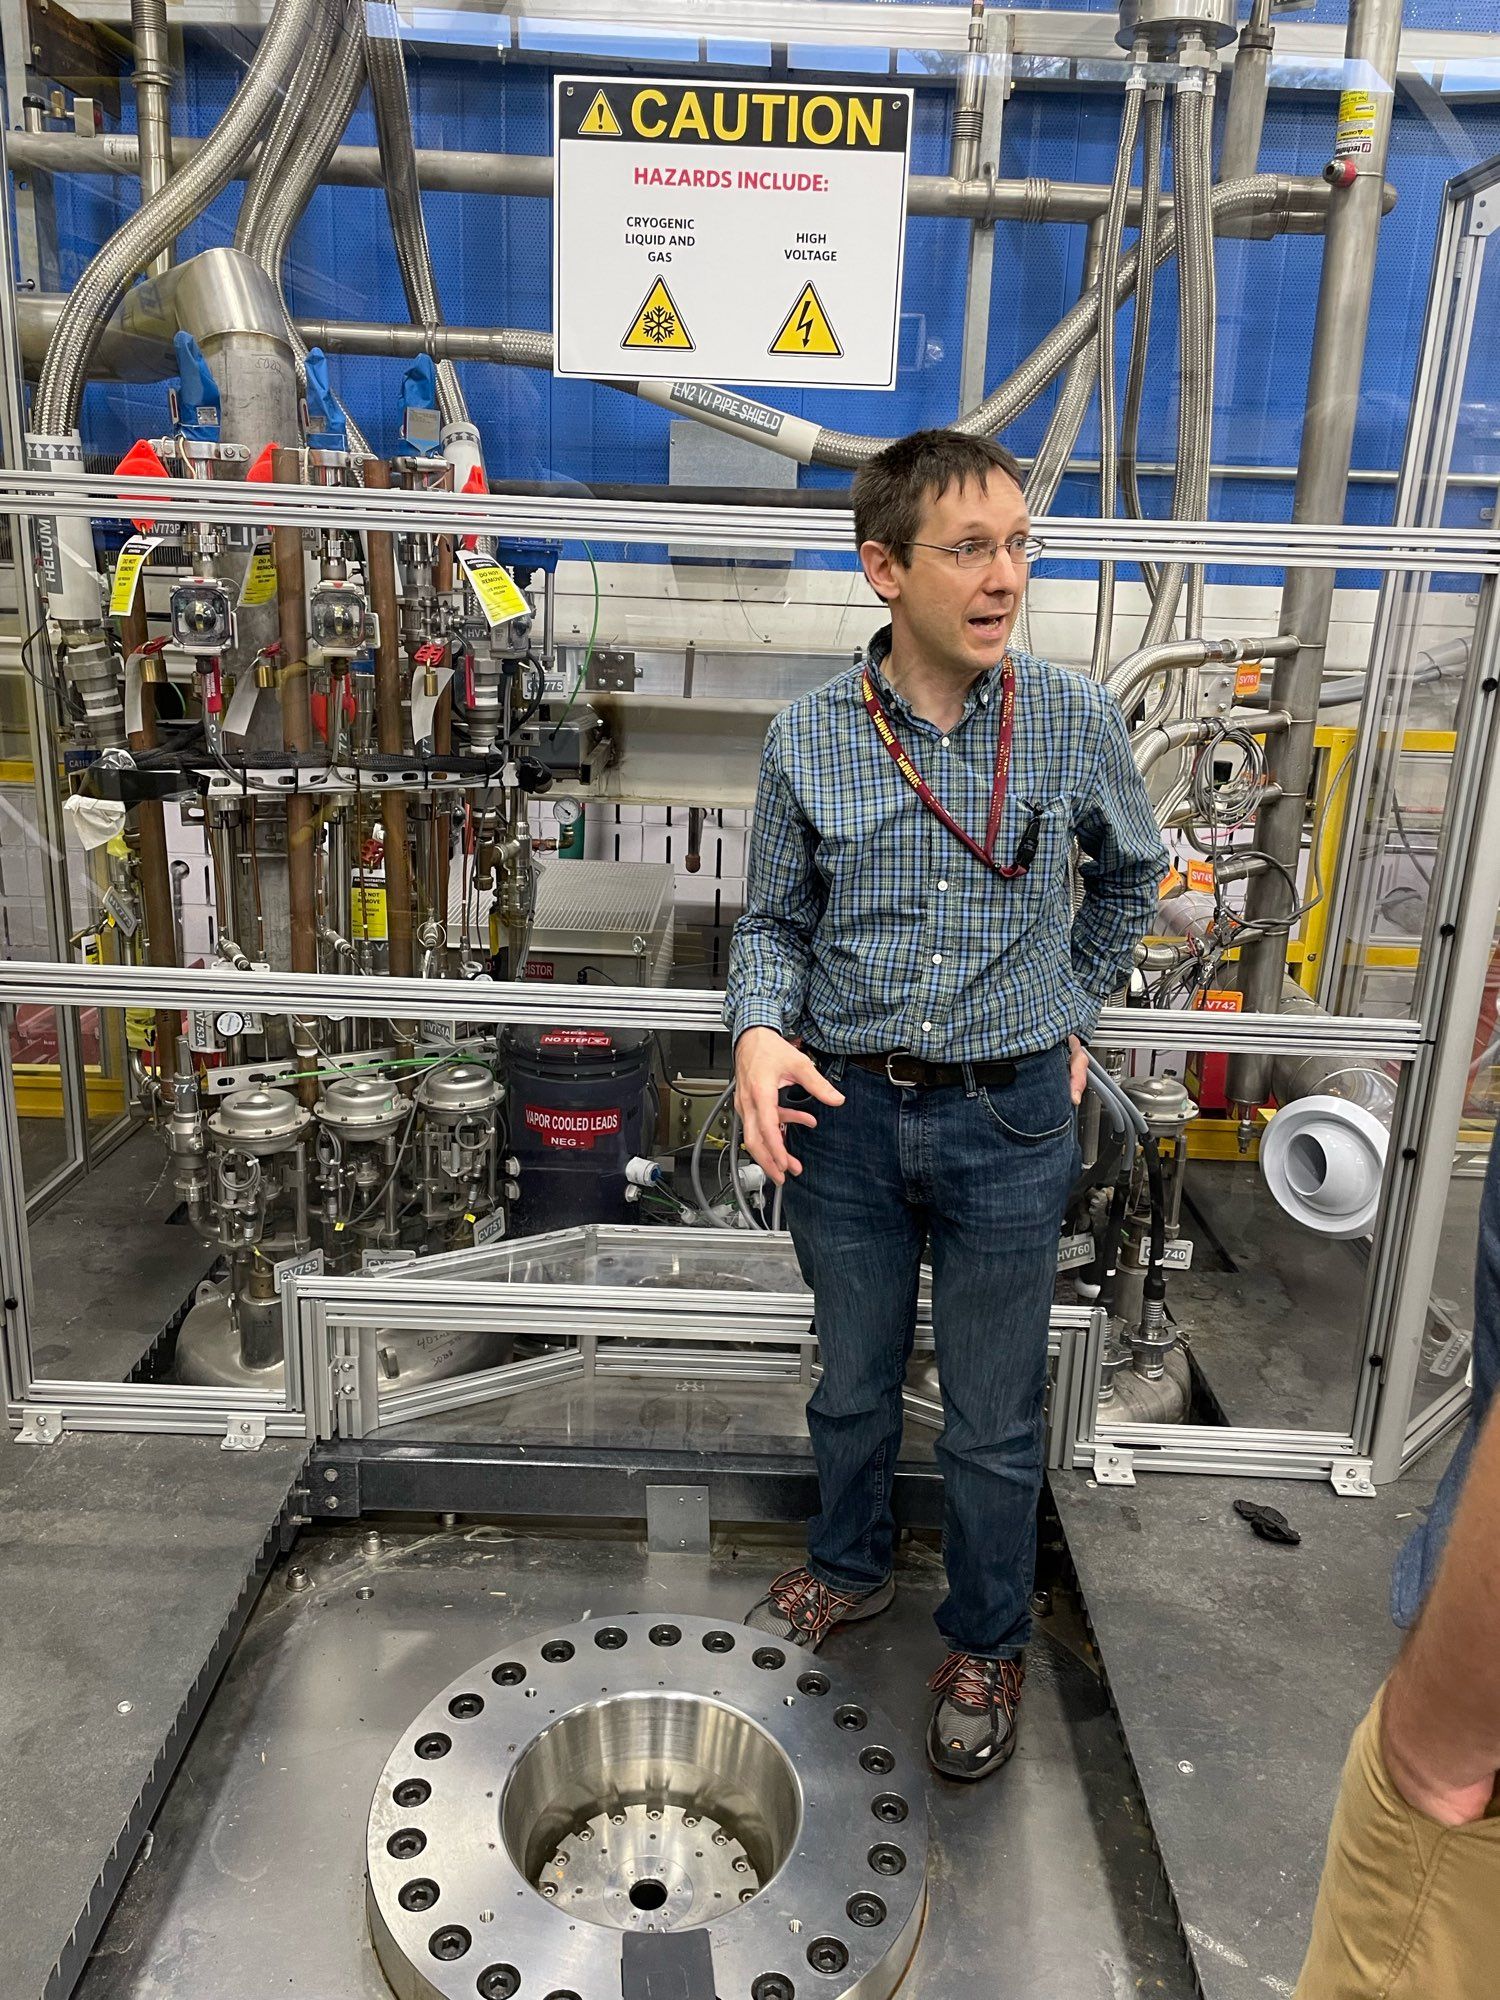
(806, 329)
(599, 121)
(658, 324)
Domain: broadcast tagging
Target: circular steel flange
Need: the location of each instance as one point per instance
(646, 1773)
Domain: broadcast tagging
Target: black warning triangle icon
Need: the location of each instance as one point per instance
(599, 121)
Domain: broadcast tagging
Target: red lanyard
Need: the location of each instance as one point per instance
(1026, 852)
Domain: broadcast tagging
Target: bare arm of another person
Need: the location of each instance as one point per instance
(768, 970)
(1440, 1719)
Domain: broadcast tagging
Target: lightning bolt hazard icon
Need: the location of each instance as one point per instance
(806, 328)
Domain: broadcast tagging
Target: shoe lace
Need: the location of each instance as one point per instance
(970, 1682)
(807, 1602)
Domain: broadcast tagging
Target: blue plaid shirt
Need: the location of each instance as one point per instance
(868, 927)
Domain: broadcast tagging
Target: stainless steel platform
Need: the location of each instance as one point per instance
(1043, 1883)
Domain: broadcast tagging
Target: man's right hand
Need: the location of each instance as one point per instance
(765, 1064)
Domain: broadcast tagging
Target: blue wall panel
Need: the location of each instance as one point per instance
(493, 260)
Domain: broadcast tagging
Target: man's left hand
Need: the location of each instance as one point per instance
(1078, 1068)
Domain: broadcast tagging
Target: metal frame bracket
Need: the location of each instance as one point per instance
(677, 1520)
(1113, 1466)
(40, 1426)
(243, 1434)
(1352, 1478)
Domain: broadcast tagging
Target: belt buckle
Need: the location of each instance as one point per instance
(901, 1083)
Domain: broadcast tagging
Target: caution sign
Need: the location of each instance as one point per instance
(658, 323)
(748, 234)
(806, 329)
(367, 912)
(599, 121)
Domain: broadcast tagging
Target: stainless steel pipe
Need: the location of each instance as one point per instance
(1371, 45)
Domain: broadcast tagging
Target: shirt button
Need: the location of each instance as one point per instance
(937, 958)
(927, 1027)
(942, 885)
(945, 742)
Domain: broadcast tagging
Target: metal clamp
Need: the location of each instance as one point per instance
(244, 1434)
(40, 1426)
(1113, 1467)
(1352, 1478)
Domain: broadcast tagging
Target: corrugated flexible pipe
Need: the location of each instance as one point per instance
(1104, 345)
(326, 114)
(387, 72)
(305, 89)
(1073, 399)
(1140, 330)
(159, 221)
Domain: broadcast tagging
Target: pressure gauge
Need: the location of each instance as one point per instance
(230, 1024)
(567, 812)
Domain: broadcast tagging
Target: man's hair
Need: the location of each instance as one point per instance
(890, 489)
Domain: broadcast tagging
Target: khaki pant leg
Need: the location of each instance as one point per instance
(1407, 1909)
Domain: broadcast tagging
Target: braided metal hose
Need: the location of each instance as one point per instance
(304, 90)
(160, 220)
(1261, 194)
(325, 112)
(393, 131)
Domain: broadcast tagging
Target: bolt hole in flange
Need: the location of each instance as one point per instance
(625, 1801)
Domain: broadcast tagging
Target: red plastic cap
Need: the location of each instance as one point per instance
(475, 483)
(1341, 173)
(142, 461)
(260, 473)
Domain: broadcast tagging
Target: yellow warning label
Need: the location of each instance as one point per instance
(259, 586)
(806, 328)
(659, 324)
(132, 560)
(367, 913)
(599, 121)
(500, 597)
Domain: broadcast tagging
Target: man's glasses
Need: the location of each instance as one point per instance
(980, 554)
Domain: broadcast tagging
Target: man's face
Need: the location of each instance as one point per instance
(958, 618)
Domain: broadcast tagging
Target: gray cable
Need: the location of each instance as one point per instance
(696, 1166)
(1108, 1088)
(734, 1173)
(159, 221)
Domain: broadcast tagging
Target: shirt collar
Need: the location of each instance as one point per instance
(982, 692)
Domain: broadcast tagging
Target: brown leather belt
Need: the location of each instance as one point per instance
(909, 1072)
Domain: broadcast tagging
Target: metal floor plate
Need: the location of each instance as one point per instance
(1044, 1882)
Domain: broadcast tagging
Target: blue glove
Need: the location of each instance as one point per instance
(198, 398)
(327, 426)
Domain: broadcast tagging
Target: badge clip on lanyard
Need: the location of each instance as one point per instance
(1031, 834)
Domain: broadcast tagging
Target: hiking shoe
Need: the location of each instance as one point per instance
(801, 1611)
(973, 1726)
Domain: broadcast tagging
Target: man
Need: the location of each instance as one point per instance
(909, 961)
(1409, 1905)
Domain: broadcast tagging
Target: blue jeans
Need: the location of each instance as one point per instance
(1417, 1564)
(982, 1176)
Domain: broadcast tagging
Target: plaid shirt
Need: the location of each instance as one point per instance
(868, 927)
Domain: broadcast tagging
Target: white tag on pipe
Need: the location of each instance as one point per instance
(242, 706)
(424, 705)
(135, 718)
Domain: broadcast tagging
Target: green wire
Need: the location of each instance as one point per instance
(588, 656)
(390, 1062)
